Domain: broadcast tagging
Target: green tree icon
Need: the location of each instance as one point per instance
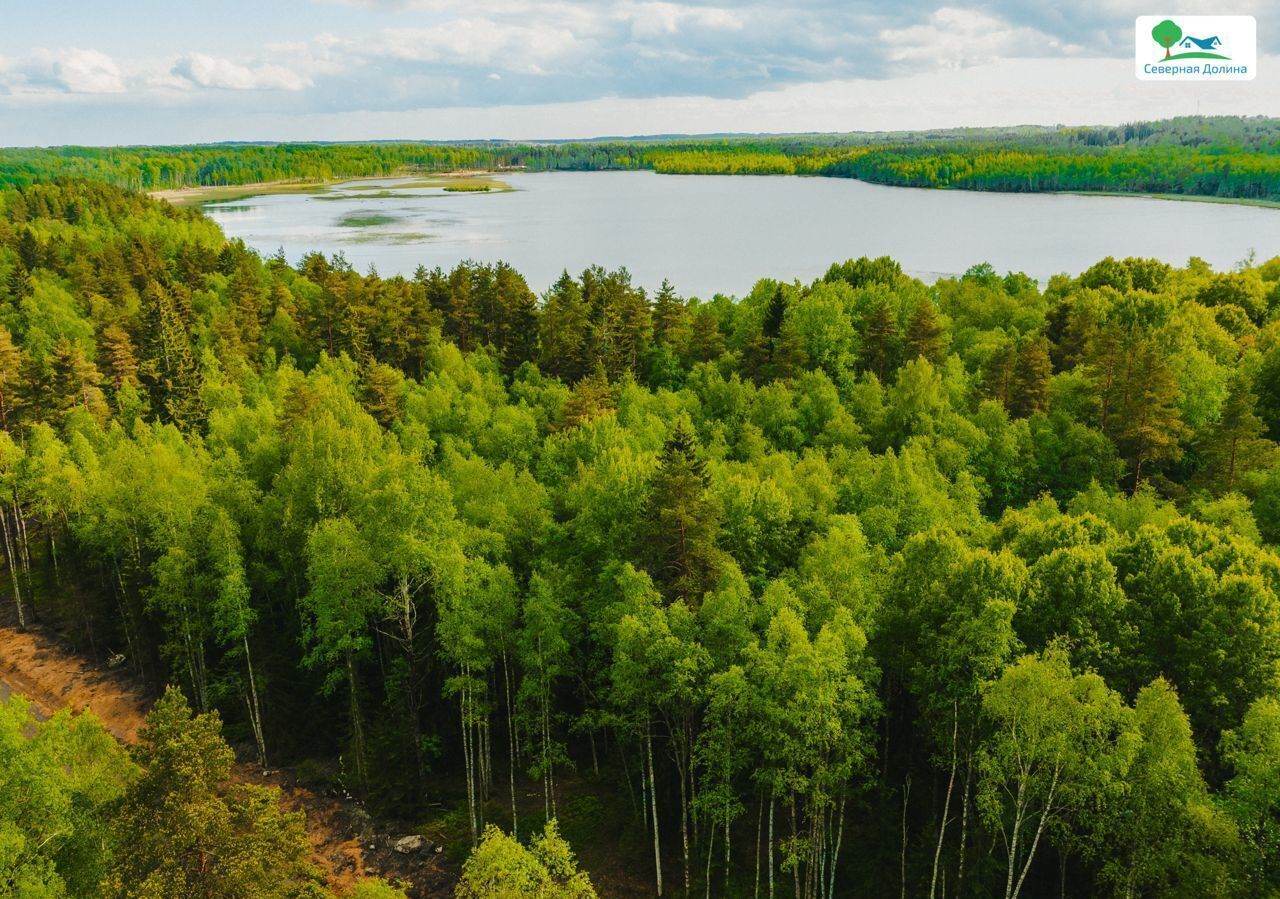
(1166, 34)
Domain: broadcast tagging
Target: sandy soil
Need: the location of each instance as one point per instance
(52, 678)
(38, 665)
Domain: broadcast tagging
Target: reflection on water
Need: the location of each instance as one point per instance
(713, 234)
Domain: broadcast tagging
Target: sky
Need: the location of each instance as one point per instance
(175, 71)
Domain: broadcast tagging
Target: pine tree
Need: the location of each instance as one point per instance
(169, 366)
(185, 828)
(383, 386)
(924, 334)
(462, 321)
(706, 340)
(1029, 388)
(247, 303)
(516, 329)
(635, 331)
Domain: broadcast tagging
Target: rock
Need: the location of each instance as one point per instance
(409, 844)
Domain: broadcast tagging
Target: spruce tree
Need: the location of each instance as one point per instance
(563, 331)
(1235, 445)
(997, 373)
(681, 521)
(670, 320)
(1149, 425)
(879, 340)
(1029, 390)
(76, 381)
(924, 333)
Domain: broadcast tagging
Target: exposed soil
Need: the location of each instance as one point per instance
(345, 844)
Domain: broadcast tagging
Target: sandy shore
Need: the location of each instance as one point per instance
(193, 196)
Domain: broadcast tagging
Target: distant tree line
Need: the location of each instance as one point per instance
(1225, 157)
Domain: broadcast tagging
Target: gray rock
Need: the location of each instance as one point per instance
(409, 844)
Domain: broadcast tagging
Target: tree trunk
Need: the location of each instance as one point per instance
(255, 707)
(1031, 853)
(10, 556)
(835, 856)
(946, 805)
(771, 844)
(653, 798)
(511, 746)
(357, 726)
(906, 795)
(964, 819)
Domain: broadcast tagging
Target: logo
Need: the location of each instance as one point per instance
(1195, 48)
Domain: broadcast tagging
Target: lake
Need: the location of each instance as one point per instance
(712, 234)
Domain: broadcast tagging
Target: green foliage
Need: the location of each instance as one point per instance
(502, 868)
(186, 829)
(735, 572)
(58, 784)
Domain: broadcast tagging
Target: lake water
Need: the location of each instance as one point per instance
(712, 234)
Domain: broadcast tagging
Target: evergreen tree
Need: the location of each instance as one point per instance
(1148, 424)
(120, 361)
(925, 333)
(879, 341)
(681, 521)
(563, 331)
(591, 398)
(523, 345)
(186, 828)
(670, 319)
(12, 366)
(1235, 445)
(1029, 387)
(998, 373)
(76, 381)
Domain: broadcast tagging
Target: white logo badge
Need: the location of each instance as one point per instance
(1195, 48)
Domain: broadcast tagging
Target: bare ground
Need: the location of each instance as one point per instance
(37, 664)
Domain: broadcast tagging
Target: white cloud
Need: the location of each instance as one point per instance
(953, 37)
(648, 20)
(202, 70)
(470, 42)
(66, 70)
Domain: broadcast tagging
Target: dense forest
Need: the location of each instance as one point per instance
(965, 589)
(1223, 157)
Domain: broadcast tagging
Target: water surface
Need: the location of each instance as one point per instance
(712, 234)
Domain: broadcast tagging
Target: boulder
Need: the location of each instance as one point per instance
(410, 844)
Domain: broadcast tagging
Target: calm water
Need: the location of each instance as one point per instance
(713, 234)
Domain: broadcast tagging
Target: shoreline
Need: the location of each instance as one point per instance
(198, 195)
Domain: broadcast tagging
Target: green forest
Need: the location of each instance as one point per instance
(857, 587)
(1221, 157)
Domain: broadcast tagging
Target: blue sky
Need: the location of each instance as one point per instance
(146, 71)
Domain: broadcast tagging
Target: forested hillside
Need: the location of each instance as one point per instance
(1223, 157)
(854, 587)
